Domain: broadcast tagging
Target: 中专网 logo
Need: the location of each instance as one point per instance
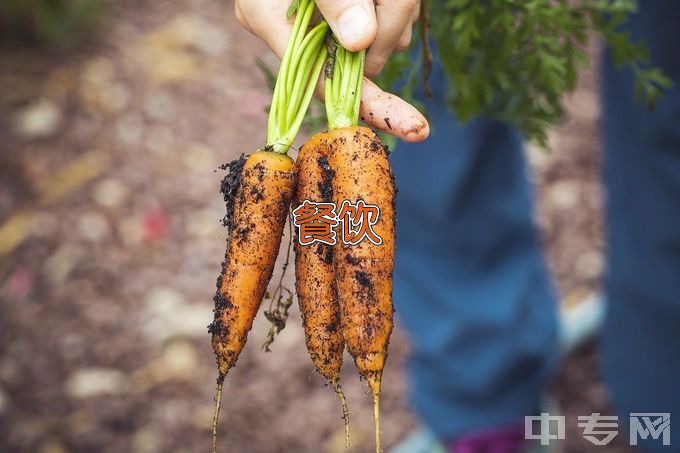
(600, 429)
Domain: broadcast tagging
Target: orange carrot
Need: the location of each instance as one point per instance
(364, 271)
(315, 278)
(258, 191)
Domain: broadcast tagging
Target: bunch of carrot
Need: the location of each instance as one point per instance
(344, 291)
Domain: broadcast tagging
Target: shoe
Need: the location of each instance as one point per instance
(421, 440)
(580, 321)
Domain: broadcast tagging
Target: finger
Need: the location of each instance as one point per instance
(238, 13)
(404, 40)
(268, 24)
(389, 113)
(394, 16)
(407, 36)
(353, 22)
(416, 10)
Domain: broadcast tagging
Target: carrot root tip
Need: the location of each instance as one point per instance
(374, 380)
(345, 410)
(218, 406)
(376, 418)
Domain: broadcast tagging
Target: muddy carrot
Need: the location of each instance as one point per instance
(258, 191)
(363, 271)
(314, 274)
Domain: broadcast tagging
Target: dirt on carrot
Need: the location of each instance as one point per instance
(364, 270)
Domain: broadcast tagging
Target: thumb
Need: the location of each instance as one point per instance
(353, 21)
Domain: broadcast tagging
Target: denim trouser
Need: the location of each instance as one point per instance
(471, 286)
(641, 341)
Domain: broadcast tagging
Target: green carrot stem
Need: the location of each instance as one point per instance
(311, 46)
(297, 77)
(311, 85)
(305, 12)
(343, 89)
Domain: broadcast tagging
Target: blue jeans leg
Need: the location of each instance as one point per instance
(641, 342)
(471, 286)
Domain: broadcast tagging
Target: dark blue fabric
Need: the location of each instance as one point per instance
(470, 284)
(641, 343)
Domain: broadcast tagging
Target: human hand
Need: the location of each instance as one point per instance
(384, 25)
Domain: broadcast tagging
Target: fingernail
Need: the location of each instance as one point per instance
(352, 24)
(418, 132)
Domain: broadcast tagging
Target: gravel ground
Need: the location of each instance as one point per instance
(110, 243)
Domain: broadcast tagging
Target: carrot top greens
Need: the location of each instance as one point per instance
(297, 77)
(342, 92)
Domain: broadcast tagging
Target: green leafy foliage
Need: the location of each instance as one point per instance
(649, 81)
(58, 23)
(515, 59)
(269, 75)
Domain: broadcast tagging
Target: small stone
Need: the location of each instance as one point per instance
(179, 359)
(178, 362)
(159, 139)
(172, 412)
(89, 382)
(160, 107)
(38, 120)
(131, 230)
(586, 106)
(130, 128)
(564, 194)
(146, 440)
(192, 32)
(110, 193)
(166, 53)
(85, 125)
(81, 421)
(204, 224)
(171, 65)
(163, 300)
(202, 416)
(210, 39)
(167, 316)
(44, 224)
(538, 157)
(10, 371)
(98, 71)
(590, 264)
(115, 98)
(107, 96)
(200, 158)
(60, 82)
(93, 226)
(60, 264)
(52, 445)
(542, 158)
